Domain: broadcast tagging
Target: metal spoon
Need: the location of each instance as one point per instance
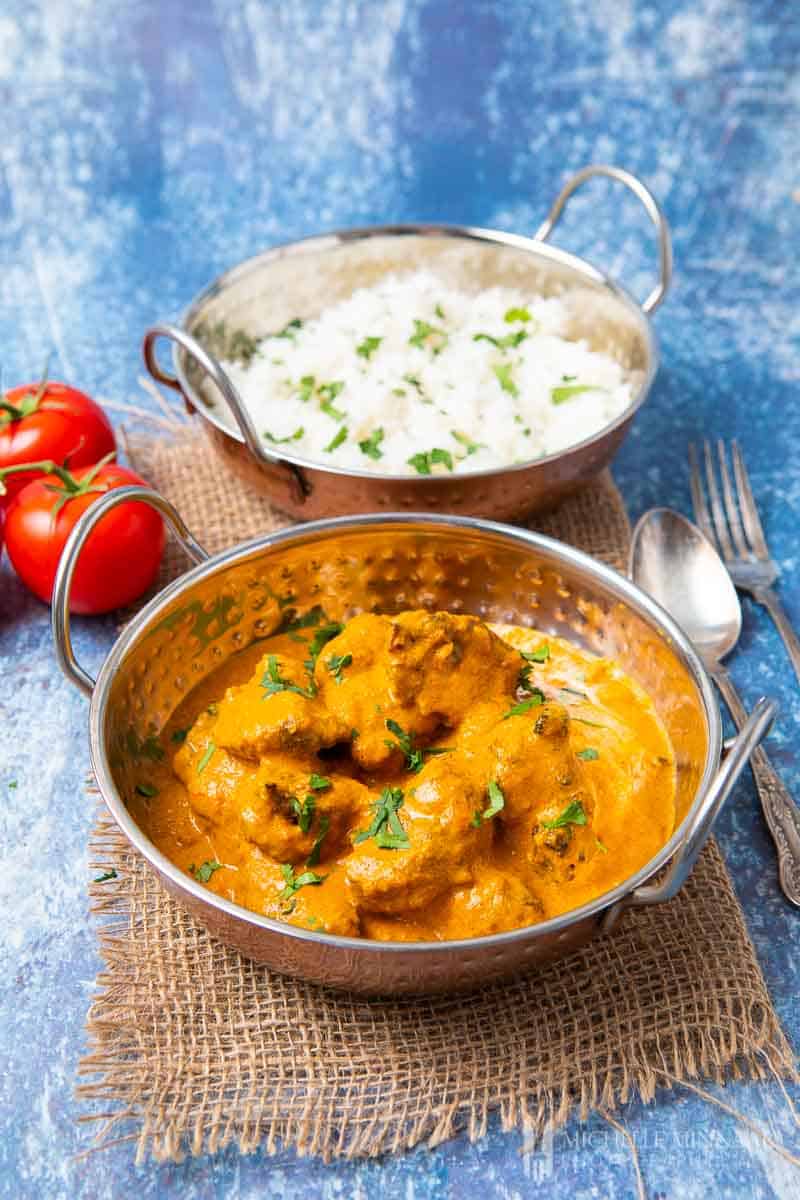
(672, 560)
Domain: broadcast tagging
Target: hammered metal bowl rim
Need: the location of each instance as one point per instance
(620, 586)
(341, 237)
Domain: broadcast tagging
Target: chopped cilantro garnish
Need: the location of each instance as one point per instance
(369, 446)
(503, 373)
(508, 341)
(385, 839)
(429, 336)
(415, 757)
(324, 826)
(12, 785)
(330, 410)
(273, 682)
(601, 846)
(405, 744)
(497, 803)
(467, 442)
(322, 636)
(292, 437)
(420, 462)
(524, 677)
(337, 439)
(319, 783)
(112, 874)
(496, 800)
(516, 314)
(588, 755)
(204, 872)
(308, 620)
(327, 393)
(560, 394)
(304, 811)
(540, 655)
(147, 790)
(368, 347)
(423, 461)
(290, 330)
(573, 814)
(306, 388)
(337, 663)
(533, 701)
(442, 456)
(415, 382)
(385, 826)
(439, 312)
(293, 882)
(206, 759)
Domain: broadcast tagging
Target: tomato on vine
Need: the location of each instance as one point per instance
(51, 421)
(122, 553)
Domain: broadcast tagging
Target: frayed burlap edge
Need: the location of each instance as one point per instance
(169, 1116)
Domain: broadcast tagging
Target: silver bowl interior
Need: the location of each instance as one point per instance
(389, 564)
(300, 279)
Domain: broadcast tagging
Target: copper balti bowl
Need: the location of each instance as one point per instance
(386, 564)
(300, 279)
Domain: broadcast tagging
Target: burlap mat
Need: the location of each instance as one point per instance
(193, 1047)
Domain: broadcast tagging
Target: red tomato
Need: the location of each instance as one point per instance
(51, 420)
(118, 562)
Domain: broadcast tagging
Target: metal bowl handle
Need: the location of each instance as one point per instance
(59, 615)
(735, 756)
(654, 211)
(288, 473)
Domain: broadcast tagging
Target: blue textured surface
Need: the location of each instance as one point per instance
(147, 146)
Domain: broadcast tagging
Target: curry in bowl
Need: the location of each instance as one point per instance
(422, 776)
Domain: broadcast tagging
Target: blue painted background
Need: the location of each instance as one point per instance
(145, 147)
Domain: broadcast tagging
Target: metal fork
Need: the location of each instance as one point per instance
(737, 533)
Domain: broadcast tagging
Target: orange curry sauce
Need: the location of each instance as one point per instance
(421, 776)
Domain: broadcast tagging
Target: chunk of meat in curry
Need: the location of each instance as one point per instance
(419, 776)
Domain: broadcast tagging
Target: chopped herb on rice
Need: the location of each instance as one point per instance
(410, 366)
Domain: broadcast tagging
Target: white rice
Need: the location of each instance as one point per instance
(478, 404)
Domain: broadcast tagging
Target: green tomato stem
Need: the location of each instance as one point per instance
(72, 486)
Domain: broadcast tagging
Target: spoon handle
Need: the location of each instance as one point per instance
(780, 811)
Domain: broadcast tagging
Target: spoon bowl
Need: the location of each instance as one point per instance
(672, 561)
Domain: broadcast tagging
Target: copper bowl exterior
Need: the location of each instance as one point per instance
(299, 279)
(388, 564)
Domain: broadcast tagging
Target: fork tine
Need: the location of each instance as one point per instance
(701, 513)
(752, 522)
(730, 503)
(720, 524)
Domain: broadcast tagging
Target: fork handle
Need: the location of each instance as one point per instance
(772, 604)
(780, 811)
